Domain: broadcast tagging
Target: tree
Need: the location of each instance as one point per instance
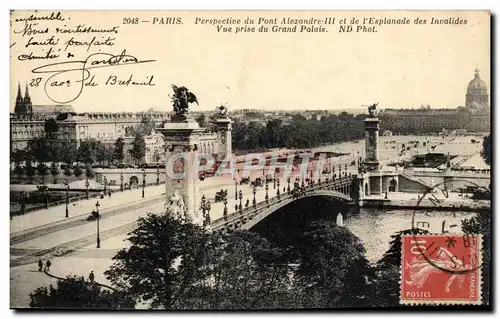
(118, 153)
(30, 171)
(248, 273)
(54, 171)
(138, 150)
(19, 171)
(87, 152)
(43, 170)
(67, 171)
(78, 172)
(89, 172)
(486, 152)
(40, 149)
(76, 293)
(164, 262)
(333, 266)
(70, 153)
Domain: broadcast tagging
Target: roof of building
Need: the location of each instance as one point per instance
(53, 109)
(477, 83)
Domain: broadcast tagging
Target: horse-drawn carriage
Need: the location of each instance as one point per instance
(93, 216)
(245, 180)
(221, 195)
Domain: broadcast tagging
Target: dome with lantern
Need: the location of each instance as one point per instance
(477, 83)
(477, 92)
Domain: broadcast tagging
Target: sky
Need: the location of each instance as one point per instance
(398, 66)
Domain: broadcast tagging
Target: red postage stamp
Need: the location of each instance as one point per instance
(441, 269)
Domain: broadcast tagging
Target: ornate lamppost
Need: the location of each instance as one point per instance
(97, 219)
(203, 207)
(340, 171)
(143, 181)
(157, 175)
(235, 188)
(254, 191)
(267, 192)
(207, 216)
(278, 192)
(225, 209)
(87, 187)
(274, 180)
(121, 182)
(345, 171)
(240, 196)
(288, 185)
(333, 173)
(67, 200)
(105, 185)
(311, 178)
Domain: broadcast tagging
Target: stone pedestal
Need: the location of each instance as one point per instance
(371, 162)
(181, 135)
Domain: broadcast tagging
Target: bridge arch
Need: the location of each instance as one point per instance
(134, 180)
(248, 221)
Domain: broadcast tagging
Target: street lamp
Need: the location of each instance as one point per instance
(121, 182)
(105, 185)
(274, 180)
(240, 196)
(288, 185)
(67, 200)
(225, 209)
(340, 171)
(267, 192)
(254, 190)
(345, 171)
(235, 189)
(333, 173)
(278, 184)
(97, 219)
(203, 207)
(157, 175)
(207, 217)
(87, 186)
(143, 181)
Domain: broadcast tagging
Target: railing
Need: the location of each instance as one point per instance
(277, 199)
(92, 194)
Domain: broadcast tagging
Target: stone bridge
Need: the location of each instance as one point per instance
(339, 188)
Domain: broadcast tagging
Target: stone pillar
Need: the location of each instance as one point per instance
(223, 126)
(181, 170)
(371, 135)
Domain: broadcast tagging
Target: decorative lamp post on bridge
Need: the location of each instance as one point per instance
(333, 173)
(267, 192)
(121, 182)
(87, 184)
(288, 185)
(274, 180)
(105, 185)
(235, 189)
(254, 191)
(67, 200)
(340, 171)
(345, 171)
(225, 209)
(311, 181)
(98, 216)
(203, 207)
(157, 175)
(240, 196)
(143, 181)
(278, 192)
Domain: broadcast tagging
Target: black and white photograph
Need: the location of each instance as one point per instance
(250, 160)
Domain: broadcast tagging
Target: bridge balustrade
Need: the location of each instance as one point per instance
(259, 207)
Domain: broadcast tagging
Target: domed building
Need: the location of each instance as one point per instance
(477, 93)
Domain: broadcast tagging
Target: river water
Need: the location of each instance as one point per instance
(375, 226)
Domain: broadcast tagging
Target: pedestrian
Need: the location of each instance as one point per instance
(47, 265)
(91, 276)
(40, 265)
(109, 194)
